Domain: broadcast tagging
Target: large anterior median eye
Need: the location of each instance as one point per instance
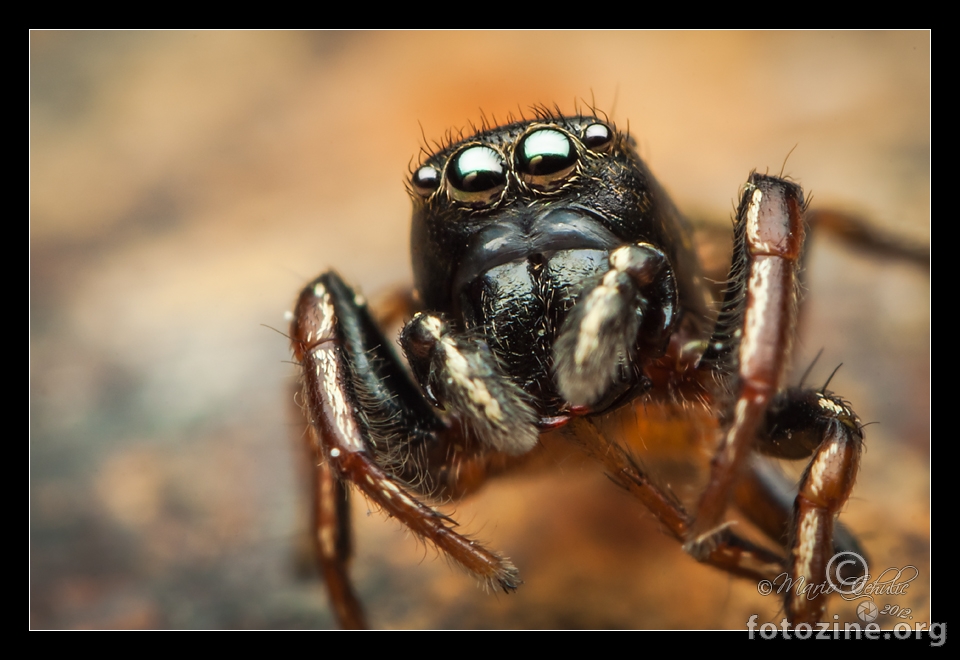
(476, 175)
(544, 158)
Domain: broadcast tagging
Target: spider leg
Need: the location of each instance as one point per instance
(713, 243)
(800, 423)
(750, 347)
(754, 332)
(860, 234)
(767, 498)
(727, 551)
(333, 541)
(372, 425)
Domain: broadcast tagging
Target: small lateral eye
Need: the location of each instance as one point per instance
(425, 180)
(545, 157)
(476, 175)
(598, 137)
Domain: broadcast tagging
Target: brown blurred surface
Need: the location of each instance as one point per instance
(185, 185)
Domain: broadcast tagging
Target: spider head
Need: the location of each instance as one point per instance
(511, 224)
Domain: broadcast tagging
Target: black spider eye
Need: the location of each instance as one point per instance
(476, 175)
(425, 180)
(545, 157)
(598, 137)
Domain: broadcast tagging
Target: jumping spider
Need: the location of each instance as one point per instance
(555, 284)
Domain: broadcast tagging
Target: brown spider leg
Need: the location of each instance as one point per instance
(858, 233)
(767, 498)
(713, 242)
(357, 398)
(333, 540)
(754, 333)
(729, 552)
(801, 422)
(824, 490)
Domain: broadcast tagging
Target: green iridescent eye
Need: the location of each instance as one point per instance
(545, 157)
(477, 175)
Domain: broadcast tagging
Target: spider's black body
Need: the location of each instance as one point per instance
(514, 263)
(555, 282)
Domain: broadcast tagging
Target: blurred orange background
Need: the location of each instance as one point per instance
(185, 185)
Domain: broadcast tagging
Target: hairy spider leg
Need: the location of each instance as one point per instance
(800, 423)
(729, 552)
(857, 233)
(752, 342)
(333, 538)
(360, 404)
(767, 497)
